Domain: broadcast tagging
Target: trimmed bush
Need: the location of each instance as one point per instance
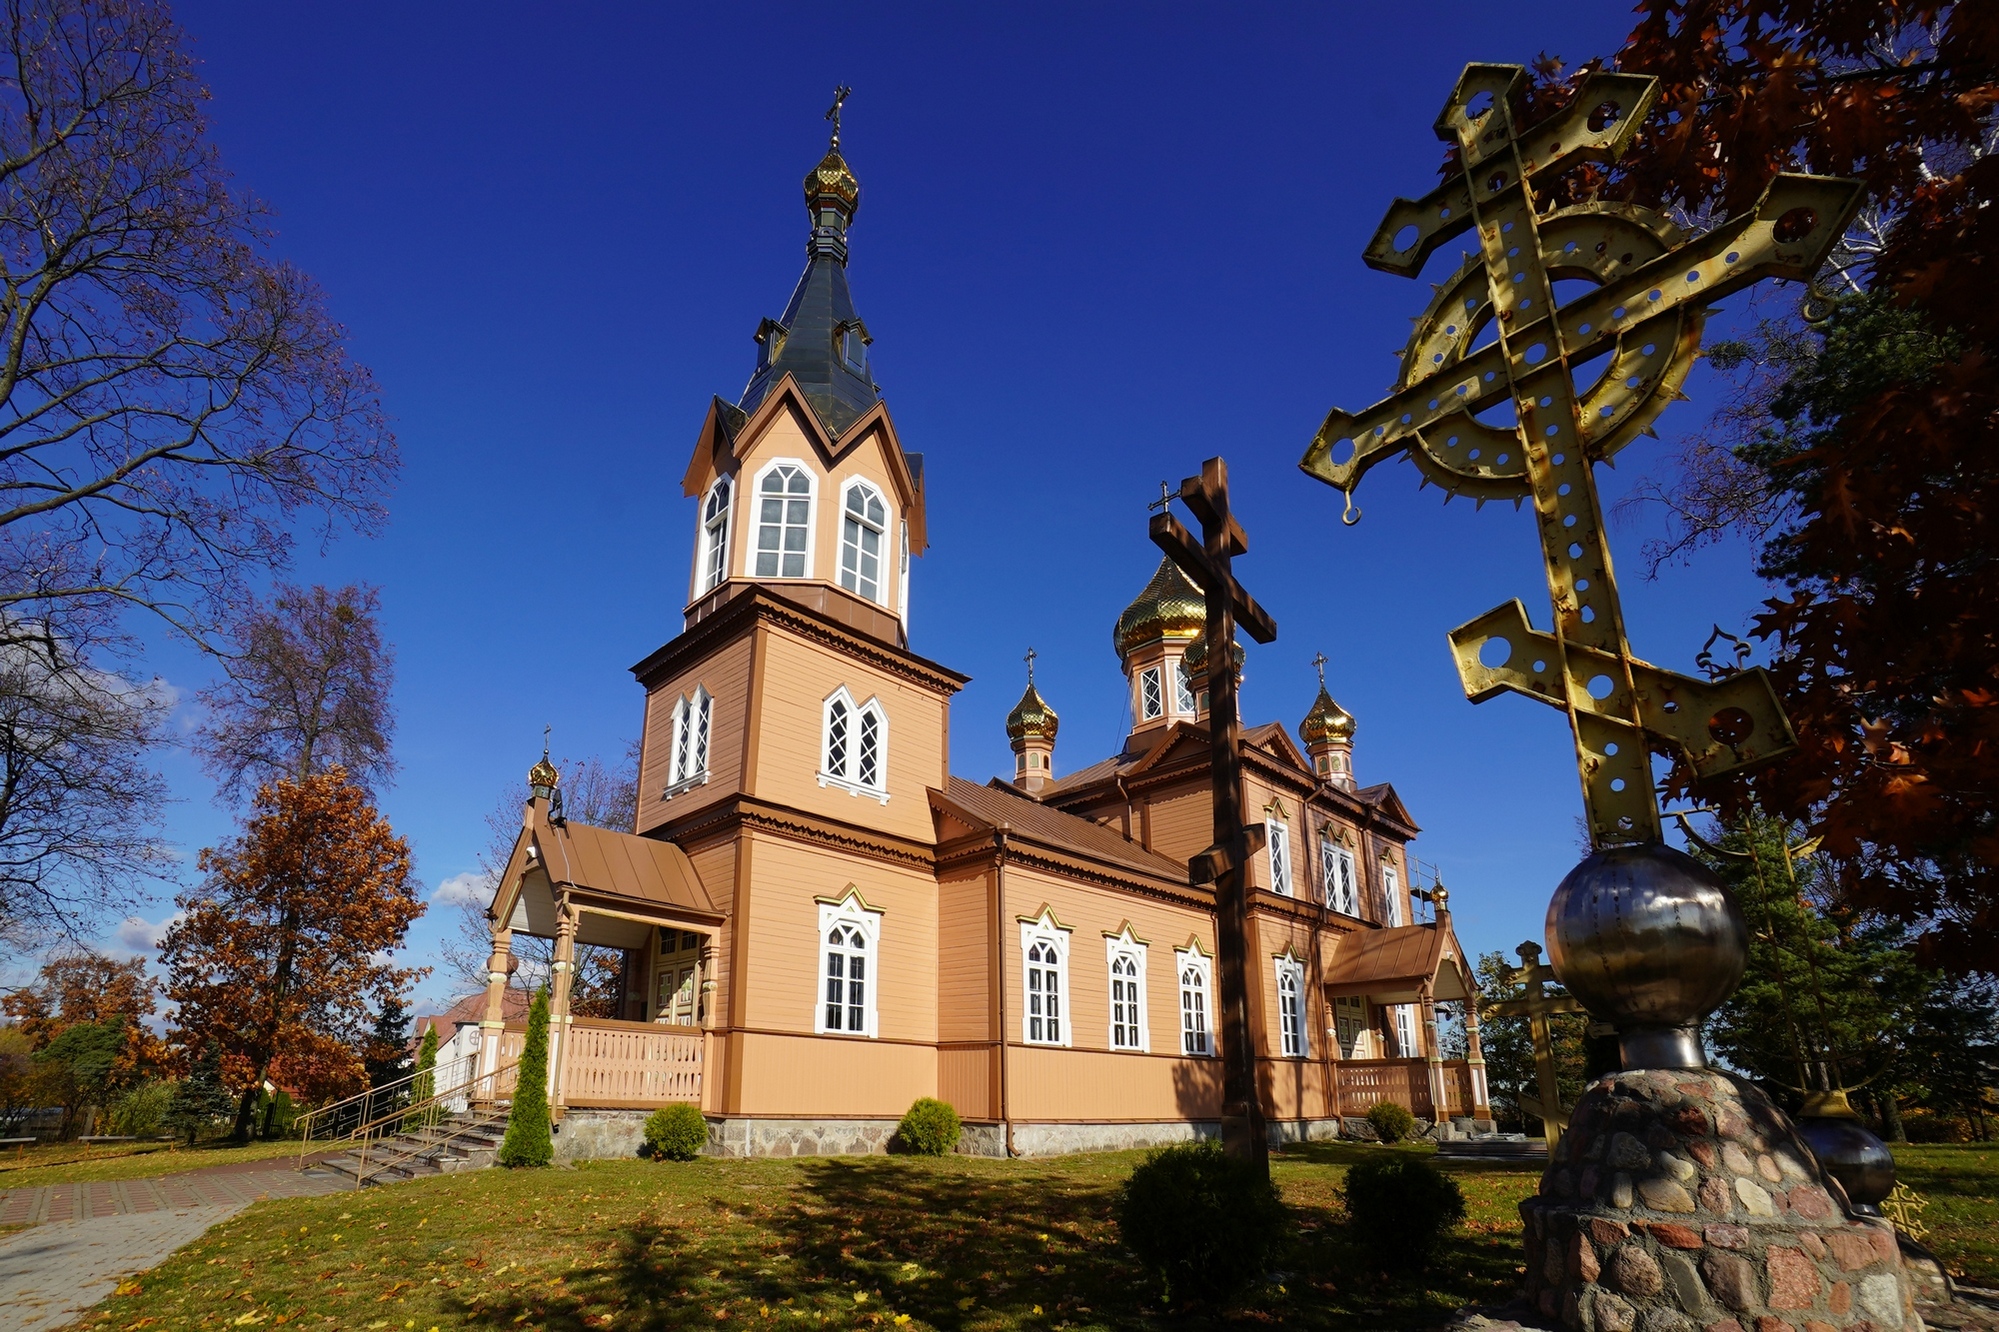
(929, 1128)
(529, 1141)
(676, 1133)
(1391, 1122)
(1205, 1225)
(1400, 1207)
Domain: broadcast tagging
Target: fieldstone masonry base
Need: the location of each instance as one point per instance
(1684, 1201)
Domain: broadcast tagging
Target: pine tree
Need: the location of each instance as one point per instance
(528, 1141)
(388, 1045)
(200, 1098)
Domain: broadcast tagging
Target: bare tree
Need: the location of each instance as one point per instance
(176, 406)
(594, 792)
(307, 688)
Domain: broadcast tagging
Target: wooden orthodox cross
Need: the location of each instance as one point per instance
(1537, 1007)
(1224, 863)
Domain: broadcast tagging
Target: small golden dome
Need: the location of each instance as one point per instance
(1169, 607)
(543, 777)
(1195, 658)
(1032, 718)
(1326, 723)
(831, 178)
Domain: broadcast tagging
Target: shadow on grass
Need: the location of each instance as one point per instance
(858, 1242)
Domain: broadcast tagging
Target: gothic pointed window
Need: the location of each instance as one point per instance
(839, 719)
(863, 522)
(715, 535)
(687, 763)
(1336, 870)
(1278, 837)
(867, 755)
(1044, 947)
(1196, 1037)
(1126, 957)
(849, 941)
(784, 522)
(854, 755)
(1291, 1007)
(1391, 894)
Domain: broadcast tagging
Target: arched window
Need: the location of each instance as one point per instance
(1336, 872)
(1196, 1037)
(854, 753)
(1291, 1007)
(1126, 957)
(863, 521)
(1391, 893)
(784, 522)
(715, 535)
(1044, 947)
(1278, 836)
(849, 941)
(692, 720)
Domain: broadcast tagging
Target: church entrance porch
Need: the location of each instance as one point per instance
(612, 1065)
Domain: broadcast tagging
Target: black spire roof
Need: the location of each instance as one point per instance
(820, 341)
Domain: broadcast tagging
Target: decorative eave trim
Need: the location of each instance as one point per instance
(851, 893)
(1047, 913)
(743, 611)
(738, 812)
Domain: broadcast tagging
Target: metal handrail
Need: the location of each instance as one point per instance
(313, 1118)
(362, 1174)
(401, 1115)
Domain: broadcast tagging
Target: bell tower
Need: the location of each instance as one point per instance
(1327, 731)
(1031, 728)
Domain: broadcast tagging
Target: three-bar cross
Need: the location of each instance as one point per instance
(1537, 1007)
(1224, 863)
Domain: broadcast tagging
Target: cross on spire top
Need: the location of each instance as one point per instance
(840, 94)
(1319, 660)
(544, 740)
(1029, 659)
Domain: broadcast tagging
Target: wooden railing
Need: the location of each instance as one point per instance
(619, 1065)
(1361, 1083)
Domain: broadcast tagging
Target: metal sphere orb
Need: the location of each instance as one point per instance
(1851, 1154)
(1647, 937)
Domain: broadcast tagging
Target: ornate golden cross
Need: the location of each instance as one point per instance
(1654, 286)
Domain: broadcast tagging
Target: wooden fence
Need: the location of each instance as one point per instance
(619, 1065)
(1361, 1083)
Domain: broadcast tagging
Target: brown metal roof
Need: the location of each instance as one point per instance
(1392, 966)
(607, 863)
(991, 808)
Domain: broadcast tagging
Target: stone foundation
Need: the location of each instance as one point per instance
(599, 1135)
(1684, 1201)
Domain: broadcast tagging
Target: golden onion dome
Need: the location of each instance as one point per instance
(1169, 607)
(1032, 718)
(1195, 658)
(1326, 723)
(543, 777)
(831, 178)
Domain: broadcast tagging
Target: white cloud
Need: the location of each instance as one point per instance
(138, 936)
(470, 886)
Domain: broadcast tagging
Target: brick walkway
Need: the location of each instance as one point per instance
(83, 1238)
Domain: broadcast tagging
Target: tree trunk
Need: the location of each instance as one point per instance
(1891, 1117)
(243, 1108)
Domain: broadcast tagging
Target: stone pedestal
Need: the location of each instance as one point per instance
(1684, 1201)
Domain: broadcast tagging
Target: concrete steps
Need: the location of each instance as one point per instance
(468, 1140)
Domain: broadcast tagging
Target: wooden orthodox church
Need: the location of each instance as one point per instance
(821, 923)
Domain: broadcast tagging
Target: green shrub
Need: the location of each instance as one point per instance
(141, 1111)
(199, 1099)
(1204, 1224)
(929, 1128)
(676, 1132)
(1391, 1122)
(529, 1141)
(424, 1085)
(1400, 1207)
(273, 1114)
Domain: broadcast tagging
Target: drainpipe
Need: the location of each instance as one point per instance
(1125, 795)
(999, 976)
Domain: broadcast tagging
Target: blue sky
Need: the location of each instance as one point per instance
(1096, 244)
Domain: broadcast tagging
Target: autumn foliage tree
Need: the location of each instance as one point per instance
(277, 959)
(80, 988)
(1867, 453)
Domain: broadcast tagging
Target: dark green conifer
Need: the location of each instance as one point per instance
(529, 1141)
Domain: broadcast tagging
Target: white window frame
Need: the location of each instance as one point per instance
(693, 732)
(1293, 1034)
(1337, 873)
(1194, 973)
(811, 518)
(1391, 893)
(1124, 948)
(1152, 707)
(1046, 932)
(851, 913)
(714, 534)
(1184, 700)
(845, 774)
(1277, 841)
(882, 556)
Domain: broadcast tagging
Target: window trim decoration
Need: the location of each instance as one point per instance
(1336, 851)
(1277, 843)
(1297, 1032)
(811, 518)
(1154, 707)
(1044, 930)
(1192, 959)
(1184, 700)
(689, 744)
(850, 909)
(846, 775)
(847, 488)
(1126, 947)
(714, 544)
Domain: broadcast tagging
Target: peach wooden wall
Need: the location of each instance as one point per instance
(726, 676)
(964, 959)
(832, 1077)
(1045, 1084)
(1182, 823)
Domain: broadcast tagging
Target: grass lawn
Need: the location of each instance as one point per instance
(73, 1163)
(896, 1243)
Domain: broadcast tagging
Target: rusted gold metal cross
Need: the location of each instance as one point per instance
(1537, 1007)
(1653, 289)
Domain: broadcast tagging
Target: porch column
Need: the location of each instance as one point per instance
(704, 984)
(1481, 1099)
(1440, 1104)
(494, 1023)
(563, 970)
